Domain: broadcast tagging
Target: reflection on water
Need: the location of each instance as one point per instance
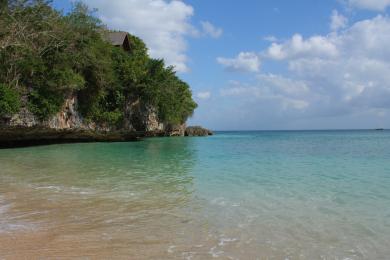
(94, 198)
(266, 195)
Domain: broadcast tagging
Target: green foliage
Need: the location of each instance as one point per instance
(44, 102)
(171, 95)
(3, 5)
(9, 100)
(47, 56)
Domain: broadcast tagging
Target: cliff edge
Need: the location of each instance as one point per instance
(67, 78)
(68, 125)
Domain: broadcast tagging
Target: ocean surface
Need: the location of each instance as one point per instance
(235, 195)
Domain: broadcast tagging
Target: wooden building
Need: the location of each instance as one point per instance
(120, 39)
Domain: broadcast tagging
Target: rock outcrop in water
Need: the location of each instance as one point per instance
(197, 131)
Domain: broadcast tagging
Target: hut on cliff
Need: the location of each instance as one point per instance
(119, 39)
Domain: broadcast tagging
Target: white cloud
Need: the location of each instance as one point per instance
(239, 89)
(162, 24)
(374, 5)
(203, 95)
(337, 21)
(284, 85)
(244, 62)
(270, 38)
(210, 30)
(286, 92)
(357, 79)
(315, 46)
(340, 75)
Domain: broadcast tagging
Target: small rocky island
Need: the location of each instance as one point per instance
(67, 78)
(197, 131)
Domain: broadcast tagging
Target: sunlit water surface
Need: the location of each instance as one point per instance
(237, 195)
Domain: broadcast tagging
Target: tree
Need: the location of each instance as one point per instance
(46, 56)
(9, 101)
(3, 5)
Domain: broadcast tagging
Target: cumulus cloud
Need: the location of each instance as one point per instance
(337, 21)
(162, 24)
(357, 78)
(374, 5)
(244, 62)
(315, 46)
(284, 85)
(203, 95)
(286, 92)
(210, 30)
(343, 74)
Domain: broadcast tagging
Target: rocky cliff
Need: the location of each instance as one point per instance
(139, 117)
(24, 128)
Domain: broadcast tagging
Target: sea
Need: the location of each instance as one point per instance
(234, 195)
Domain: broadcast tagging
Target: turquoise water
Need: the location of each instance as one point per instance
(235, 195)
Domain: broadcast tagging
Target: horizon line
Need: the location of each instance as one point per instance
(331, 129)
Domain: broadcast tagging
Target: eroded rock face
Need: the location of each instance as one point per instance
(68, 117)
(24, 118)
(197, 131)
(175, 130)
(68, 125)
(141, 117)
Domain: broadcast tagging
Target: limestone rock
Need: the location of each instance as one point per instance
(68, 117)
(141, 117)
(175, 130)
(197, 131)
(68, 125)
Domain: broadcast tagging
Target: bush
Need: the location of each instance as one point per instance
(44, 103)
(9, 100)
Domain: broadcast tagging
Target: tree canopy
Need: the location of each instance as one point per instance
(46, 55)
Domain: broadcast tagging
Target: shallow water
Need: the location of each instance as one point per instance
(236, 195)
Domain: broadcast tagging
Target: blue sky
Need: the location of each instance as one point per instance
(304, 64)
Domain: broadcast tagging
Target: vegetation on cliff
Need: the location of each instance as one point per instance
(46, 55)
(9, 100)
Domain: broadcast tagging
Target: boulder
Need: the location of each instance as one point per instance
(175, 130)
(197, 131)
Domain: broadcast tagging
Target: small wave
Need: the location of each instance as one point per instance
(219, 201)
(55, 188)
(214, 252)
(224, 241)
(171, 249)
(7, 224)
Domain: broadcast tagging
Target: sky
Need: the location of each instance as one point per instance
(270, 64)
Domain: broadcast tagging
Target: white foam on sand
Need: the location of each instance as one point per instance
(214, 252)
(7, 224)
(224, 241)
(4, 207)
(171, 249)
